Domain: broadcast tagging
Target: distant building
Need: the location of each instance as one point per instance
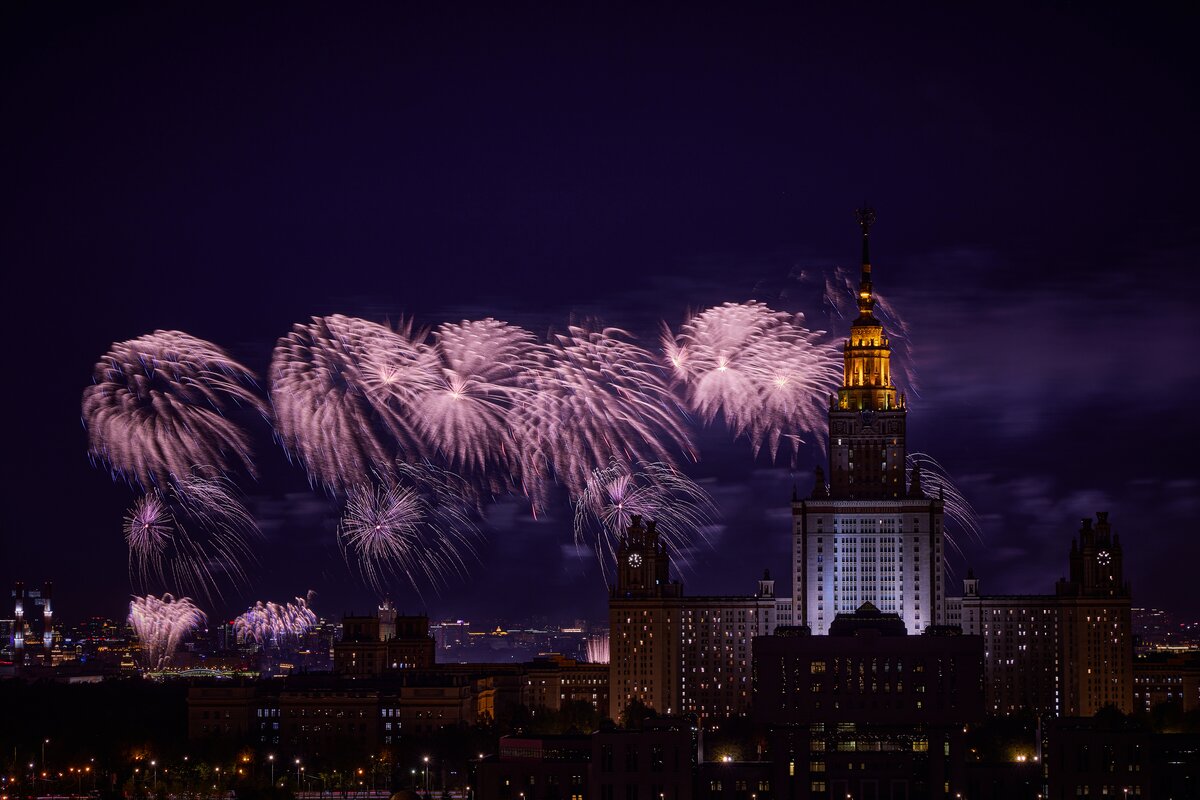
(871, 536)
(1167, 678)
(1068, 654)
(680, 654)
(364, 652)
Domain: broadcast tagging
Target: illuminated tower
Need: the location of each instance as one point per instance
(871, 535)
(866, 420)
(47, 622)
(18, 642)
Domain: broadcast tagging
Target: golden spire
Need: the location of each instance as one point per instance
(866, 218)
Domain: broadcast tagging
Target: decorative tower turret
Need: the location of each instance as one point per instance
(867, 417)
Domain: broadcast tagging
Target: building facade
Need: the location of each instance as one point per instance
(1066, 654)
(868, 711)
(680, 654)
(871, 535)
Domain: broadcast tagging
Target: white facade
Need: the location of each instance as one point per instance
(886, 552)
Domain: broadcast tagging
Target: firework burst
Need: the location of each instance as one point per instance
(161, 625)
(595, 397)
(273, 625)
(597, 649)
(464, 416)
(418, 527)
(158, 406)
(342, 389)
(616, 494)
(191, 534)
(762, 371)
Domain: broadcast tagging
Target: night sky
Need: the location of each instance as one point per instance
(231, 171)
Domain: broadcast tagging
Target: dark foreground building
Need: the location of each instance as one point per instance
(868, 711)
(656, 762)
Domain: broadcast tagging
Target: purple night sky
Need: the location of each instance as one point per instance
(229, 172)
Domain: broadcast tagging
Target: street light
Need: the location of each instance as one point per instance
(426, 759)
(154, 765)
(44, 743)
(271, 758)
(297, 772)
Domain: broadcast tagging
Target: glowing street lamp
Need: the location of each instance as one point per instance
(271, 758)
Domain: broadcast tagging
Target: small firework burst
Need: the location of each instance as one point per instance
(193, 534)
(161, 625)
(418, 526)
(616, 494)
(597, 649)
(270, 624)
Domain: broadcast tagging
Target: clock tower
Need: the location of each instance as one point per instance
(644, 625)
(1095, 619)
(643, 564)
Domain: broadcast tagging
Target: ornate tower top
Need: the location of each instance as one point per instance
(866, 218)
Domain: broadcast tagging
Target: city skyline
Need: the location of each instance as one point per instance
(1046, 315)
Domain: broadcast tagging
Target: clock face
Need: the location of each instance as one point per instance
(1104, 558)
(635, 559)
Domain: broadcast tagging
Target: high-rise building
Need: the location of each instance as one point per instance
(870, 536)
(1065, 654)
(680, 654)
(1097, 629)
(24, 637)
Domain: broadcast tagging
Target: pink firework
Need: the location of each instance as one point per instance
(158, 407)
(464, 416)
(343, 391)
(193, 534)
(765, 374)
(161, 626)
(962, 520)
(613, 496)
(595, 397)
(597, 649)
(417, 527)
(274, 625)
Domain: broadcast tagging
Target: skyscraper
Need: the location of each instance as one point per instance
(871, 535)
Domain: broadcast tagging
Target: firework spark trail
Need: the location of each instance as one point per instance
(342, 389)
(597, 649)
(161, 625)
(595, 397)
(157, 408)
(196, 530)
(464, 417)
(271, 624)
(762, 371)
(936, 482)
(614, 495)
(418, 527)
